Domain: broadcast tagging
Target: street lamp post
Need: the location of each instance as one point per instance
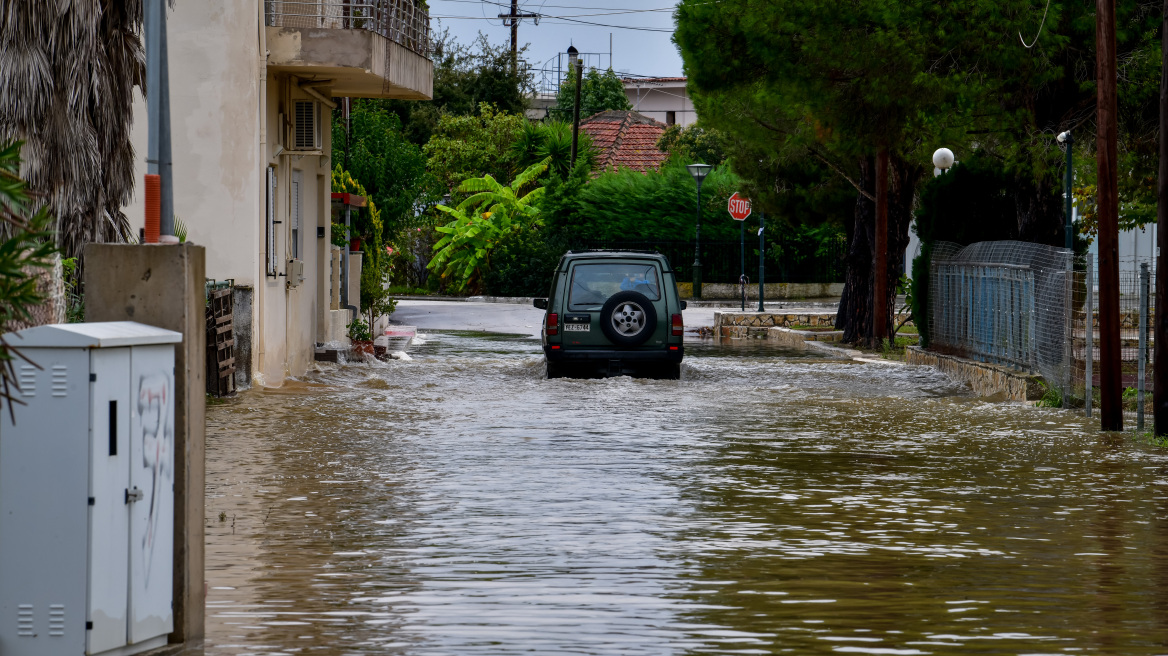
(699, 173)
(1068, 140)
(574, 68)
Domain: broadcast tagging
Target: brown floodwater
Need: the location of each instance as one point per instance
(768, 502)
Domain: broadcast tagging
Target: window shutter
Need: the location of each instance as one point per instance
(296, 218)
(270, 223)
(305, 126)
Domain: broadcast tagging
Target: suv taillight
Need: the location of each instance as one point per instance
(678, 326)
(553, 323)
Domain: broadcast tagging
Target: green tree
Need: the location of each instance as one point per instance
(490, 214)
(552, 141)
(599, 92)
(388, 166)
(840, 82)
(466, 147)
(693, 144)
(465, 77)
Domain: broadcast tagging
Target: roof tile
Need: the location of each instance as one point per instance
(626, 140)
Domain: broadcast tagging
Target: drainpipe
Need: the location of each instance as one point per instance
(257, 334)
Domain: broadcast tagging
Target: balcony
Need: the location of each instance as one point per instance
(365, 48)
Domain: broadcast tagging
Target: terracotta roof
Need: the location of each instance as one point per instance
(626, 140)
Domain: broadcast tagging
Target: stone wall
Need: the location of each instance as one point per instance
(987, 380)
(803, 339)
(774, 290)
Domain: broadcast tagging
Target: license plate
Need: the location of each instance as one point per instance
(576, 327)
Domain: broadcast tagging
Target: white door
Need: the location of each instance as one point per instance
(151, 491)
(109, 514)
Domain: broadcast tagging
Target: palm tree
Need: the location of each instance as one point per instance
(67, 73)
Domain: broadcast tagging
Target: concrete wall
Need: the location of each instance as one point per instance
(654, 100)
(222, 104)
(774, 290)
(227, 102)
(163, 286)
(214, 88)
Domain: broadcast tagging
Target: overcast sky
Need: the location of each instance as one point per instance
(644, 51)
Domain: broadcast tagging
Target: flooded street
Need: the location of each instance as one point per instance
(769, 502)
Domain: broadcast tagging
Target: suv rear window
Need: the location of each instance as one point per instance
(592, 284)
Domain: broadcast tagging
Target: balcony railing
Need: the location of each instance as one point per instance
(401, 21)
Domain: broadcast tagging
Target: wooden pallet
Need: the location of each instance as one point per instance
(220, 343)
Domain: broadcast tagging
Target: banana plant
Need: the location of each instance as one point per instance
(491, 213)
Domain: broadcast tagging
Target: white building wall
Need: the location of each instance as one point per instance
(214, 87)
(656, 100)
(223, 140)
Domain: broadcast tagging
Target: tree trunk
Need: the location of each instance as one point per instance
(854, 315)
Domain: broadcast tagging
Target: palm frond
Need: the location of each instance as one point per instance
(67, 75)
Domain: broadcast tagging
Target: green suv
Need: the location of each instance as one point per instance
(613, 313)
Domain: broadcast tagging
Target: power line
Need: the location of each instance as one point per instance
(565, 19)
(614, 9)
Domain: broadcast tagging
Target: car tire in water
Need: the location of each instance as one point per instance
(671, 371)
(556, 370)
(628, 318)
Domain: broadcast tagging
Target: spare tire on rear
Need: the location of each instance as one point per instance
(628, 318)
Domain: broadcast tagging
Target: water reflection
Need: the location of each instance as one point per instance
(768, 502)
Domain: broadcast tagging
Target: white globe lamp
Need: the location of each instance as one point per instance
(943, 159)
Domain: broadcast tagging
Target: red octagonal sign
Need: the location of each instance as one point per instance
(739, 207)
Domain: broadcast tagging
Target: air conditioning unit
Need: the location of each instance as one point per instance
(305, 129)
(295, 272)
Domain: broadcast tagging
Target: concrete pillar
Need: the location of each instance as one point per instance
(163, 286)
(335, 279)
(355, 279)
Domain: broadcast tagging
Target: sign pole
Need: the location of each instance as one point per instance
(761, 259)
(742, 278)
(739, 209)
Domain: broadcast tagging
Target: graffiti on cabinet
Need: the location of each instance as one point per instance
(154, 407)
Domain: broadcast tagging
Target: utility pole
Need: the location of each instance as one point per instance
(1160, 356)
(512, 20)
(158, 151)
(880, 257)
(1110, 383)
(761, 250)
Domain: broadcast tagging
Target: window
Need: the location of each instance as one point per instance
(670, 117)
(306, 125)
(270, 225)
(593, 284)
(296, 217)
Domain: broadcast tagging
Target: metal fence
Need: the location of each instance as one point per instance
(1137, 314)
(788, 259)
(405, 22)
(1003, 302)
(1035, 308)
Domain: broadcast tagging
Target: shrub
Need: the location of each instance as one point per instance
(523, 263)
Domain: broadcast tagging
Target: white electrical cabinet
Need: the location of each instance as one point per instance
(87, 491)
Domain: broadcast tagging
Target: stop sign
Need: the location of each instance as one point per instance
(739, 207)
